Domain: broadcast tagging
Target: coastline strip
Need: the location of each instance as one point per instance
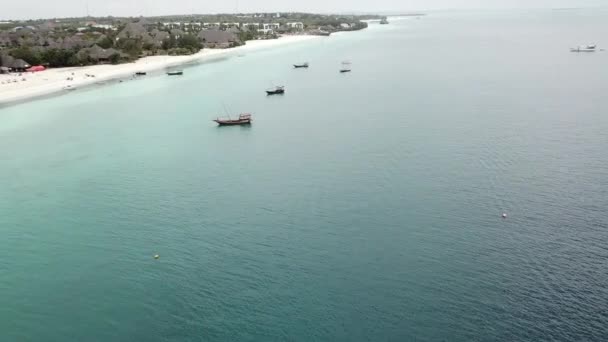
(52, 81)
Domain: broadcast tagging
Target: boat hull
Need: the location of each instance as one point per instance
(232, 122)
(275, 92)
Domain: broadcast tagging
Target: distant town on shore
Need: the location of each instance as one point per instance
(105, 40)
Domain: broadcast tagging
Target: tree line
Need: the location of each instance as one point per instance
(133, 47)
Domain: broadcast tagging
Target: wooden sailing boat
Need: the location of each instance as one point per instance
(244, 119)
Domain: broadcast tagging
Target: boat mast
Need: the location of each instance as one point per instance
(226, 111)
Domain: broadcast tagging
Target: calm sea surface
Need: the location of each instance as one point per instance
(357, 207)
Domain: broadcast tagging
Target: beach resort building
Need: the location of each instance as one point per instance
(271, 26)
(98, 55)
(296, 26)
(268, 28)
(217, 39)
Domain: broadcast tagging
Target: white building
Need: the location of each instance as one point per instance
(104, 27)
(212, 25)
(296, 25)
(271, 26)
(265, 31)
(174, 25)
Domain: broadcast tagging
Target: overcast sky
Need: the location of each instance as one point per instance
(70, 8)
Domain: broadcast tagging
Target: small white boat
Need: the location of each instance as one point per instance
(588, 48)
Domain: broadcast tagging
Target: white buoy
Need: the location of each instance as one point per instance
(156, 256)
(504, 215)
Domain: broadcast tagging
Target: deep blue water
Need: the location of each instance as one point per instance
(357, 207)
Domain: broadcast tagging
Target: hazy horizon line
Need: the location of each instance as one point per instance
(374, 12)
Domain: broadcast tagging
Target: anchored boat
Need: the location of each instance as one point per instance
(303, 65)
(345, 67)
(244, 119)
(277, 90)
(588, 48)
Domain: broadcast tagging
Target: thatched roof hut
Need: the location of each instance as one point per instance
(217, 38)
(13, 63)
(96, 54)
(20, 65)
(6, 60)
(159, 37)
(136, 31)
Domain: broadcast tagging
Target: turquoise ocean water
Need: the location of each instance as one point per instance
(357, 207)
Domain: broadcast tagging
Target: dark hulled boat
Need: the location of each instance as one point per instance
(345, 67)
(303, 65)
(244, 119)
(175, 73)
(277, 90)
(140, 73)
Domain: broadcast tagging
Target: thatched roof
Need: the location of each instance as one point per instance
(6, 60)
(101, 38)
(72, 42)
(109, 52)
(217, 37)
(144, 21)
(95, 52)
(5, 38)
(20, 64)
(135, 30)
(160, 35)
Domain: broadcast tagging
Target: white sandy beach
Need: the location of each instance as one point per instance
(32, 85)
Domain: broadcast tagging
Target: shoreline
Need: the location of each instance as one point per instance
(54, 81)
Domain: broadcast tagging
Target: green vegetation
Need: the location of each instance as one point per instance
(179, 52)
(190, 42)
(83, 41)
(105, 43)
(115, 58)
(59, 58)
(245, 36)
(27, 54)
(48, 57)
(131, 46)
